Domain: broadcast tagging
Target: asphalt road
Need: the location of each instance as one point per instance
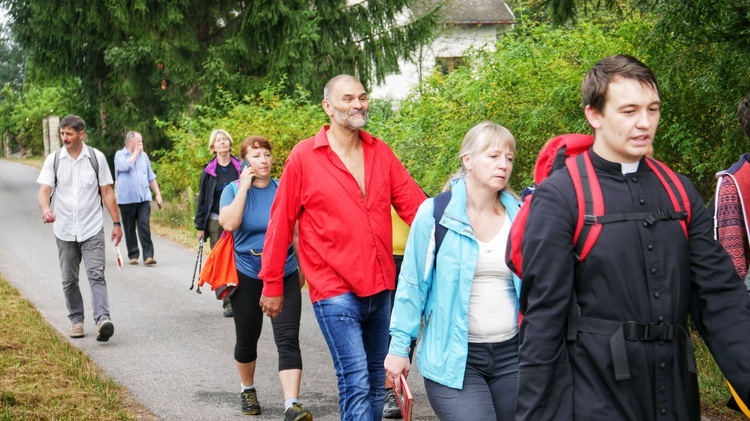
(172, 348)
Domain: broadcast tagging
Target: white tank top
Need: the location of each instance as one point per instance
(492, 307)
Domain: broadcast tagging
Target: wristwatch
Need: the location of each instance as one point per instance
(117, 224)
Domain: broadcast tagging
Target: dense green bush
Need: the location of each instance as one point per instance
(282, 120)
(22, 114)
(531, 85)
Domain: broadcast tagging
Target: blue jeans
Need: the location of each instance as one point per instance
(356, 331)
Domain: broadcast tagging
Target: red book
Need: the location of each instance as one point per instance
(404, 399)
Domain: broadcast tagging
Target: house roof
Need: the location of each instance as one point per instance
(469, 12)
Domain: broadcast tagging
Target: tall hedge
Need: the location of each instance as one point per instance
(283, 120)
(530, 84)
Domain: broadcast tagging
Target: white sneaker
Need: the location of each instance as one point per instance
(76, 331)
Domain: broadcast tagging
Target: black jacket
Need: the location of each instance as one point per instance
(635, 272)
(206, 193)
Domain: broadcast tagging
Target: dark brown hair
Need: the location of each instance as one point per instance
(74, 122)
(254, 142)
(597, 80)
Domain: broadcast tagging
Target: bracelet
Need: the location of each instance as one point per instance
(117, 224)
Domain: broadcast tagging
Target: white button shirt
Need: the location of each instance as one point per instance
(77, 204)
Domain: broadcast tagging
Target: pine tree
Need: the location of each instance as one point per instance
(137, 59)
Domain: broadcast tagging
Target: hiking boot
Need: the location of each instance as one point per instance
(297, 413)
(250, 405)
(390, 406)
(133, 261)
(76, 331)
(149, 261)
(104, 330)
(228, 312)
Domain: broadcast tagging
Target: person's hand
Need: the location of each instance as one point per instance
(116, 234)
(271, 305)
(138, 148)
(48, 216)
(159, 201)
(302, 279)
(200, 234)
(246, 178)
(394, 367)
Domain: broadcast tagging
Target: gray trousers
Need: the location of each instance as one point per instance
(70, 254)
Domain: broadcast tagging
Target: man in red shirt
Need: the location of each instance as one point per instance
(339, 186)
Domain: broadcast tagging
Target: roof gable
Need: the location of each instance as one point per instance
(469, 12)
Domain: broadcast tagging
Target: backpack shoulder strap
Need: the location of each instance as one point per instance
(95, 165)
(676, 191)
(441, 202)
(590, 202)
(94, 162)
(513, 253)
(56, 164)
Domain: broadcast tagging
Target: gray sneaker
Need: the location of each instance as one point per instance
(297, 413)
(390, 406)
(104, 330)
(250, 404)
(76, 331)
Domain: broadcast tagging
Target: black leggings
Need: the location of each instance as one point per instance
(248, 321)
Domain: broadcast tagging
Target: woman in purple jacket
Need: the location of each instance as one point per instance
(222, 170)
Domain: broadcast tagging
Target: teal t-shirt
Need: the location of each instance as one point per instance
(249, 237)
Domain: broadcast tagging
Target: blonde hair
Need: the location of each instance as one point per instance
(214, 135)
(478, 139)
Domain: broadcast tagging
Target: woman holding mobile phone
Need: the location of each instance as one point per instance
(245, 211)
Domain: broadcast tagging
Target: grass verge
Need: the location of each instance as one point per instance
(44, 377)
(713, 388)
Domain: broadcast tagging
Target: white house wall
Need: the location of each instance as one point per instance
(453, 42)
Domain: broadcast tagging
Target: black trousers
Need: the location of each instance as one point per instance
(248, 321)
(136, 216)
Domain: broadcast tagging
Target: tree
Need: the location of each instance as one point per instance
(11, 60)
(568, 11)
(140, 59)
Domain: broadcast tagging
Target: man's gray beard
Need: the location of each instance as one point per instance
(338, 114)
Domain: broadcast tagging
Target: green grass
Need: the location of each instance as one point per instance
(44, 377)
(713, 388)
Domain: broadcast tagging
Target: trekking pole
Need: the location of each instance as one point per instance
(200, 265)
(198, 262)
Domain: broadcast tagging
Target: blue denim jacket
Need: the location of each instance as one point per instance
(439, 297)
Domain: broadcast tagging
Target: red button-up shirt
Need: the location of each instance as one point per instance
(345, 241)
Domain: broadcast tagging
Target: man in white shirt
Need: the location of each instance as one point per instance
(82, 182)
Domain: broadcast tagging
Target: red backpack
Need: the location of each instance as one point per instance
(569, 150)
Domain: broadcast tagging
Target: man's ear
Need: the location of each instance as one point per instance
(593, 116)
(327, 107)
(82, 134)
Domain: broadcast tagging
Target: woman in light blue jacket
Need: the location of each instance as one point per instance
(467, 297)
